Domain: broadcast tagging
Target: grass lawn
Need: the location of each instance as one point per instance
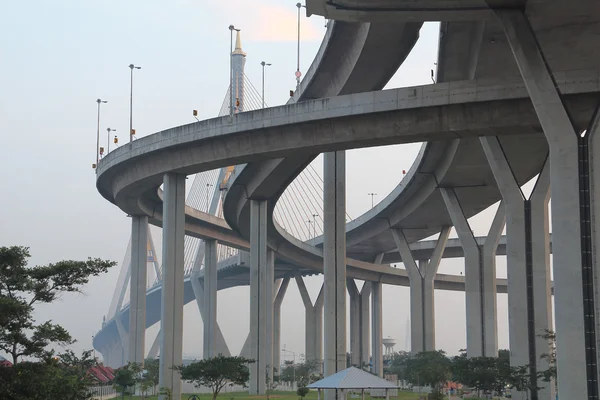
(312, 395)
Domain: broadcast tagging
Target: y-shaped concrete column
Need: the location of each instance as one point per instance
(422, 307)
(334, 262)
(261, 298)
(482, 336)
(528, 261)
(171, 322)
(285, 282)
(575, 206)
(314, 322)
(359, 323)
(209, 348)
(137, 288)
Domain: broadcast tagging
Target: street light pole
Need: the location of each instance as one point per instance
(108, 131)
(293, 366)
(263, 81)
(372, 195)
(315, 228)
(298, 73)
(131, 67)
(208, 185)
(99, 101)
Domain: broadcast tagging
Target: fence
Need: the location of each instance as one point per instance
(103, 392)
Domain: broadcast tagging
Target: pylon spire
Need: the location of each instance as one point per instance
(238, 45)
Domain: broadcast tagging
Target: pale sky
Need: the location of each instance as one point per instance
(57, 58)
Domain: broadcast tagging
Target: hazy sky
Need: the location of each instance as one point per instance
(57, 58)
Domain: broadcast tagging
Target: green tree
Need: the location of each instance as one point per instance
(23, 287)
(398, 363)
(62, 377)
(549, 374)
(151, 375)
(302, 391)
(125, 378)
(308, 372)
(217, 372)
(429, 368)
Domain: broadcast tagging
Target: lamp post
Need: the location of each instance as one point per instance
(298, 73)
(208, 185)
(108, 131)
(308, 223)
(293, 366)
(263, 81)
(99, 101)
(315, 228)
(131, 67)
(231, 29)
(372, 195)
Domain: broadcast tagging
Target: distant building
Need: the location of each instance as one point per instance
(4, 362)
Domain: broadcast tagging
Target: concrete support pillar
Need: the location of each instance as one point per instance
(261, 298)
(488, 284)
(334, 263)
(481, 337)
(285, 282)
(574, 216)
(153, 352)
(137, 288)
(219, 341)
(365, 326)
(355, 320)
(209, 348)
(123, 357)
(529, 297)
(376, 328)
(422, 276)
(313, 319)
(172, 293)
(268, 307)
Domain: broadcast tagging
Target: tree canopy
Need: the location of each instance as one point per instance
(64, 376)
(22, 287)
(429, 368)
(304, 373)
(216, 372)
(54, 377)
